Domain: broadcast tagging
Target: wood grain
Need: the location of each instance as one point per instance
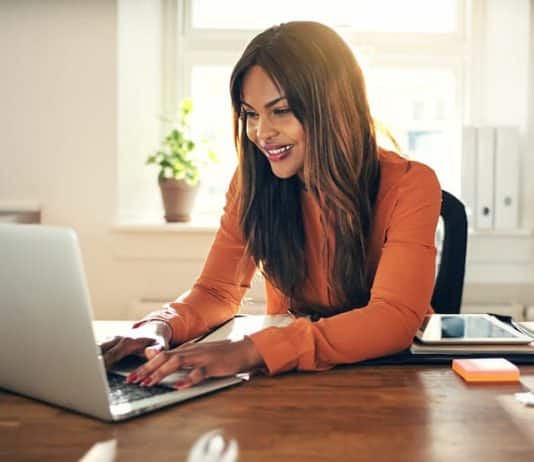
(386, 413)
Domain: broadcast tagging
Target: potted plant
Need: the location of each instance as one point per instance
(180, 160)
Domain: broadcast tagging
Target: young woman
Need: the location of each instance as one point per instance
(342, 230)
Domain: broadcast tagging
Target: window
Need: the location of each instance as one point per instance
(412, 54)
(361, 15)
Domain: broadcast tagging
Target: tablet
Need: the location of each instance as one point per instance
(468, 329)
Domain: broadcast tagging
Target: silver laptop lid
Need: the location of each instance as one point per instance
(47, 344)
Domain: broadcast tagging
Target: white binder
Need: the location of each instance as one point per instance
(485, 209)
(507, 178)
(469, 169)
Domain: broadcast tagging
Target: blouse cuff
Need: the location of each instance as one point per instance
(173, 320)
(275, 348)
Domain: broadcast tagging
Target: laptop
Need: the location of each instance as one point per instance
(47, 344)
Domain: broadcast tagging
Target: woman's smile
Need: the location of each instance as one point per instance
(276, 153)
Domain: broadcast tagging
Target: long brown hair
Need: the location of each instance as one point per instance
(325, 89)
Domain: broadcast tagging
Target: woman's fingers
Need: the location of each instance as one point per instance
(155, 336)
(172, 365)
(125, 347)
(218, 359)
(196, 375)
(161, 365)
(105, 346)
(152, 350)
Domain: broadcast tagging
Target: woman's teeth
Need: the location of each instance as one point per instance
(279, 153)
(275, 152)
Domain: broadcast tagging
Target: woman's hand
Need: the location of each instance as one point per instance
(146, 340)
(203, 360)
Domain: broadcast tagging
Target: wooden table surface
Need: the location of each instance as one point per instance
(362, 413)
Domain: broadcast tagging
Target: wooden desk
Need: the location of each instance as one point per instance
(386, 413)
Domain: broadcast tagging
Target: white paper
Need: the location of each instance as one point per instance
(525, 398)
(240, 326)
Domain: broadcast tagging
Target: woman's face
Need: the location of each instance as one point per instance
(271, 124)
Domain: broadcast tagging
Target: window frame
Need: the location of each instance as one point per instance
(184, 47)
(208, 44)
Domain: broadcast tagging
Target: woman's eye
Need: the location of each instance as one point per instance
(249, 114)
(282, 110)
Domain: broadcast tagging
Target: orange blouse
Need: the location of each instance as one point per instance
(401, 258)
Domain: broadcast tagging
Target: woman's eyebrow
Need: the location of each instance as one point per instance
(267, 105)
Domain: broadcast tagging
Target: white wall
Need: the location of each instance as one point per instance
(139, 101)
(58, 123)
(62, 122)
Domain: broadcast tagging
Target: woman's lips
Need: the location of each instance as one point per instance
(277, 153)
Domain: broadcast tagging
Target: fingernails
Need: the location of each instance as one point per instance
(146, 382)
(181, 384)
(131, 377)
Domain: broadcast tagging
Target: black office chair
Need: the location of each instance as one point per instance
(448, 289)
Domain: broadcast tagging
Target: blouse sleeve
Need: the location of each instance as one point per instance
(400, 294)
(216, 295)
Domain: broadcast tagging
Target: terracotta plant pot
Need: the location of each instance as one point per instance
(178, 199)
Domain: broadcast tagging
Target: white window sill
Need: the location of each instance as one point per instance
(493, 257)
(209, 224)
(19, 206)
(198, 224)
(21, 212)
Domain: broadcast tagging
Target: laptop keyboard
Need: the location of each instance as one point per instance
(122, 392)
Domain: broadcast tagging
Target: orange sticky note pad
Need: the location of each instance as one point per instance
(486, 370)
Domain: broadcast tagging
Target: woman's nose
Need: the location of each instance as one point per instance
(265, 129)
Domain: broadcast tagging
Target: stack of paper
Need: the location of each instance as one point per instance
(243, 325)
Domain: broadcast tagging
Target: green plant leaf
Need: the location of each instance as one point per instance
(179, 156)
(212, 156)
(192, 177)
(186, 106)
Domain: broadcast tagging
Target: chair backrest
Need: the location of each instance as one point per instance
(448, 289)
